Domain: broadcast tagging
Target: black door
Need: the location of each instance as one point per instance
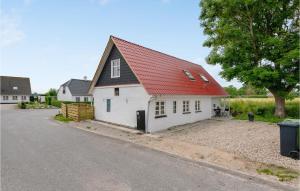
(140, 116)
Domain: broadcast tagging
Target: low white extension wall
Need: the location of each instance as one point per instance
(178, 118)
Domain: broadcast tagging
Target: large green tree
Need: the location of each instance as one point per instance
(255, 41)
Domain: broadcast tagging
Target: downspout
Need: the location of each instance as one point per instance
(150, 99)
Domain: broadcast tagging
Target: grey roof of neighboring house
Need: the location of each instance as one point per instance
(78, 87)
(15, 85)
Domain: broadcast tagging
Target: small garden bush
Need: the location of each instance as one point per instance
(22, 105)
(56, 103)
(60, 117)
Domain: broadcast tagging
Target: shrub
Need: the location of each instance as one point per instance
(292, 111)
(48, 100)
(31, 99)
(56, 103)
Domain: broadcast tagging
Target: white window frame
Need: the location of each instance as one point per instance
(23, 97)
(174, 106)
(197, 105)
(186, 106)
(86, 99)
(78, 99)
(160, 108)
(115, 68)
(5, 97)
(14, 97)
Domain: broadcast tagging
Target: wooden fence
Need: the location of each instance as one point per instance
(77, 111)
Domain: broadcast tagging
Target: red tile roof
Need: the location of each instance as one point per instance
(162, 74)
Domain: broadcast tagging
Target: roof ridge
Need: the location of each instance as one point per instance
(80, 79)
(155, 50)
(14, 77)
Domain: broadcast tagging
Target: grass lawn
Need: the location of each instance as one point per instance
(271, 119)
(283, 174)
(61, 118)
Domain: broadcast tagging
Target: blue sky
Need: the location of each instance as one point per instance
(55, 40)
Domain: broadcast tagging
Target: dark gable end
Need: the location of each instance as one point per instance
(126, 74)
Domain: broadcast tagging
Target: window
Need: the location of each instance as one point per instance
(174, 106)
(186, 106)
(197, 105)
(86, 99)
(15, 97)
(189, 75)
(117, 91)
(115, 68)
(108, 105)
(64, 90)
(203, 78)
(5, 97)
(15, 88)
(23, 97)
(77, 99)
(160, 109)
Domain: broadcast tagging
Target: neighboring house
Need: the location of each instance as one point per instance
(145, 89)
(75, 90)
(14, 89)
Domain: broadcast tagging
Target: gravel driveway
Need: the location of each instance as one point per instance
(257, 141)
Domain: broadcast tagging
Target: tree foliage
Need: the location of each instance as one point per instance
(254, 41)
(245, 90)
(52, 92)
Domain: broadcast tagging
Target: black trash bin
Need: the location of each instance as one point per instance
(289, 138)
(251, 116)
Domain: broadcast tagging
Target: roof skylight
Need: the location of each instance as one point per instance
(189, 75)
(203, 78)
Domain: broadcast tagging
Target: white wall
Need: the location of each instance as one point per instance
(67, 96)
(134, 97)
(10, 99)
(123, 107)
(178, 118)
(90, 98)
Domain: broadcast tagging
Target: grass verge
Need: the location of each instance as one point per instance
(60, 117)
(283, 174)
(271, 119)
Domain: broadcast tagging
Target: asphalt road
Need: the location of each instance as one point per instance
(40, 154)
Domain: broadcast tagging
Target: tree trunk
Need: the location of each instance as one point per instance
(280, 106)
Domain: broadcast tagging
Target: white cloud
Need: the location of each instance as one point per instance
(10, 32)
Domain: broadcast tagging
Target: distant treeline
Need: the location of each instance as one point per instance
(249, 91)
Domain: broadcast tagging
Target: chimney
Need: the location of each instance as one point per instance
(84, 77)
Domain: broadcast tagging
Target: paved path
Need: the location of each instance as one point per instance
(41, 154)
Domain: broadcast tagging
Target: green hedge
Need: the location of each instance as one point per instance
(57, 103)
(262, 109)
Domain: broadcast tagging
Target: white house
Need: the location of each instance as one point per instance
(145, 89)
(14, 89)
(75, 90)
